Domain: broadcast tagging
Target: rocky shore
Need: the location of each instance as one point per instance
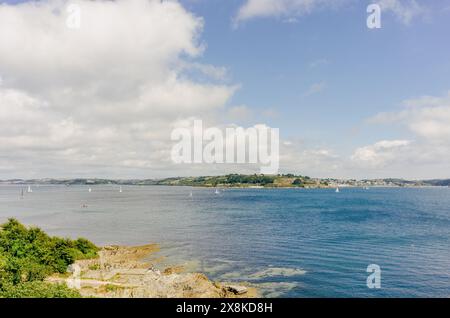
(123, 272)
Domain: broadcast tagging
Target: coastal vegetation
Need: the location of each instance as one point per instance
(35, 265)
(255, 180)
(29, 255)
(241, 180)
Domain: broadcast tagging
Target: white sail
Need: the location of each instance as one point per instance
(29, 189)
(337, 190)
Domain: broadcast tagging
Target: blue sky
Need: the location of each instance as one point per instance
(373, 101)
(363, 71)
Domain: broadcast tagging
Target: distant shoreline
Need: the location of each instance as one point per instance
(234, 187)
(235, 181)
(240, 181)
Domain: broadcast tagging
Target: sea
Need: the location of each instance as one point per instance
(286, 242)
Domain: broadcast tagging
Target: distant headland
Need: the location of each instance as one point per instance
(241, 181)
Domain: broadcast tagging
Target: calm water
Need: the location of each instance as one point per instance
(293, 243)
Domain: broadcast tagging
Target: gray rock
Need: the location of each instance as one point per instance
(235, 289)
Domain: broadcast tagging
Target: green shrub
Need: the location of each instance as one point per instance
(87, 249)
(28, 255)
(38, 289)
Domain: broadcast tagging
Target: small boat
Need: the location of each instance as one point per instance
(29, 190)
(217, 191)
(337, 190)
(90, 190)
(120, 190)
(191, 194)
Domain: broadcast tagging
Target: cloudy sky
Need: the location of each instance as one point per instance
(102, 100)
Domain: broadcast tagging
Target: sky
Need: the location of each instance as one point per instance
(102, 100)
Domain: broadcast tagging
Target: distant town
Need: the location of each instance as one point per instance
(241, 181)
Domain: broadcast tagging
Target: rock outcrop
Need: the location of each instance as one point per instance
(120, 272)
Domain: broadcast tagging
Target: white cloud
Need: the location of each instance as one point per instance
(219, 73)
(100, 100)
(380, 153)
(315, 89)
(427, 117)
(300, 157)
(281, 8)
(404, 10)
(240, 113)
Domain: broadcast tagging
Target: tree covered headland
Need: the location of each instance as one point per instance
(29, 255)
(241, 180)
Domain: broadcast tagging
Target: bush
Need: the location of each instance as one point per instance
(27, 256)
(38, 289)
(87, 249)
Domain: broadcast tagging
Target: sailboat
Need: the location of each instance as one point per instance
(217, 191)
(90, 190)
(191, 194)
(120, 190)
(337, 190)
(29, 189)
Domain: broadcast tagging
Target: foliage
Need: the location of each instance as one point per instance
(232, 179)
(250, 179)
(38, 289)
(241, 180)
(29, 255)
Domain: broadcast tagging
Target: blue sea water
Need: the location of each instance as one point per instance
(289, 242)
